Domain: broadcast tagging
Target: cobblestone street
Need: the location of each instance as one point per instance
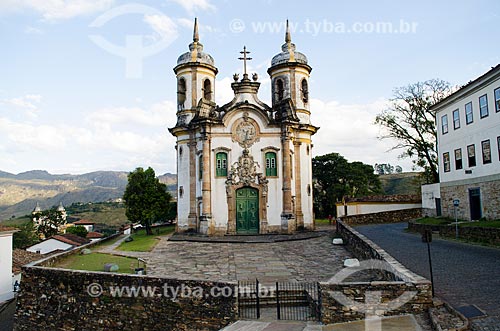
(464, 274)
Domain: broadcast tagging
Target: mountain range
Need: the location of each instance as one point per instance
(20, 193)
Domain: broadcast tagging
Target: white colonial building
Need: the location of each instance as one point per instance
(243, 167)
(468, 124)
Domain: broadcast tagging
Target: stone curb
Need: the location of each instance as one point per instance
(453, 311)
(249, 239)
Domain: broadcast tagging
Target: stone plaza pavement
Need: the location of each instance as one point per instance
(314, 259)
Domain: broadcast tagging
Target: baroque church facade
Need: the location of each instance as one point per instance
(243, 167)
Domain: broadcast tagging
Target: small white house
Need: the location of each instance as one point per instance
(6, 288)
(62, 242)
(377, 204)
(88, 225)
(431, 200)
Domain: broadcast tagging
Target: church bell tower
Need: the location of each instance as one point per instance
(289, 73)
(195, 72)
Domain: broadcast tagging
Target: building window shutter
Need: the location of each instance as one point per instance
(221, 164)
(271, 168)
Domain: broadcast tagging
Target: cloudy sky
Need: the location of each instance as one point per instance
(88, 84)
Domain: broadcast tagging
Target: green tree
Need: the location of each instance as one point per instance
(78, 230)
(146, 199)
(27, 236)
(411, 123)
(49, 222)
(336, 178)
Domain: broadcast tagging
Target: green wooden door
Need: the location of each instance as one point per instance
(247, 210)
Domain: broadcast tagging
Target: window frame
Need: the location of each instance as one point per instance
(471, 113)
(271, 163)
(444, 124)
(200, 168)
(446, 162)
(456, 120)
(473, 157)
(459, 164)
(497, 99)
(498, 147)
(483, 144)
(221, 164)
(486, 106)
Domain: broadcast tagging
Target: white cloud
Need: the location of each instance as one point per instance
(349, 129)
(28, 102)
(160, 114)
(29, 137)
(111, 138)
(31, 30)
(196, 5)
(164, 26)
(52, 10)
(203, 28)
(223, 91)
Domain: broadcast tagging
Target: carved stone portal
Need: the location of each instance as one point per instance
(244, 174)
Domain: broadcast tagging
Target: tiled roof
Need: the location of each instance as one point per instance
(94, 235)
(21, 257)
(7, 228)
(71, 239)
(387, 198)
(84, 222)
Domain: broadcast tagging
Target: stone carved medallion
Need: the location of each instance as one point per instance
(245, 132)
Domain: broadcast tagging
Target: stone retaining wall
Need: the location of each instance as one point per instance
(58, 299)
(489, 236)
(394, 216)
(399, 281)
(390, 293)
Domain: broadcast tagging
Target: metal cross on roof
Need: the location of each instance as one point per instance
(245, 59)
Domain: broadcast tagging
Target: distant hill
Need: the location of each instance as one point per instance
(403, 183)
(20, 193)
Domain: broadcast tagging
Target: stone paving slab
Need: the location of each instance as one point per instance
(393, 323)
(314, 259)
(262, 238)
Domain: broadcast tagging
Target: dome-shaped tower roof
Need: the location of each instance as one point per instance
(60, 207)
(288, 52)
(196, 53)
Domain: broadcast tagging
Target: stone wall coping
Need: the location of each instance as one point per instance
(401, 271)
(115, 274)
(39, 264)
(373, 283)
(71, 251)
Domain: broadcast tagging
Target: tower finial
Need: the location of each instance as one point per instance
(288, 38)
(196, 36)
(245, 58)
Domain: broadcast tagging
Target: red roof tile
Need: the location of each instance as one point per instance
(94, 235)
(84, 222)
(71, 239)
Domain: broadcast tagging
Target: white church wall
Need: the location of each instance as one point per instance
(183, 179)
(6, 289)
(306, 179)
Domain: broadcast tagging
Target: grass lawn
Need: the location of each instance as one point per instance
(109, 242)
(143, 242)
(96, 262)
(433, 221)
(323, 221)
(483, 224)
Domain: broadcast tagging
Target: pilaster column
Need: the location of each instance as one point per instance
(192, 221)
(205, 184)
(298, 186)
(287, 214)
